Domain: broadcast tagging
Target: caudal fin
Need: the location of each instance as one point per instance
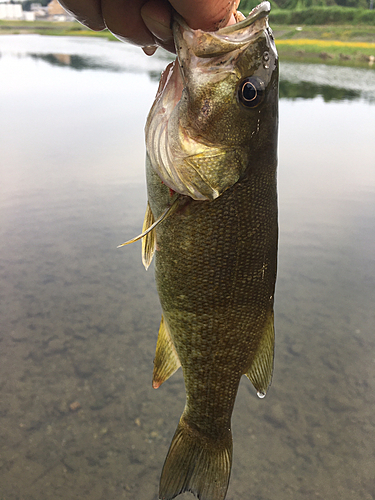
(196, 463)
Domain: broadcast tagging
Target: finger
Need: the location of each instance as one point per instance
(123, 18)
(208, 15)
(86, 12)
(156, 15)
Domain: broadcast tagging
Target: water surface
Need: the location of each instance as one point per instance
(79, 318)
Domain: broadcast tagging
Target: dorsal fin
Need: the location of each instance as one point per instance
(260, 372)
(166, 360)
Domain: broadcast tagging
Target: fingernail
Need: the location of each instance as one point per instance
(149, 49)
(159, 30)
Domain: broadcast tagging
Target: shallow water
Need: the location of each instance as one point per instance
(79, 318)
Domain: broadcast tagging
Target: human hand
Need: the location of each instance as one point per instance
(147, 22)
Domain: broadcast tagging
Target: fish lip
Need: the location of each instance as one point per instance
(260, 11)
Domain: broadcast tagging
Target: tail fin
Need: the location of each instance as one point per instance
(196, 463)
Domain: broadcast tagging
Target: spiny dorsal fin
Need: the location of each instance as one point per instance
(148, 243)
(166, 360)
(260, 372)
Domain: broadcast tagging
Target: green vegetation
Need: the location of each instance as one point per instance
(51, 28)
(329, 31)
(342, 45)
(360, 33)
(27, 4)
(324, 15)
(327, 52)
(247, 5)
(317, 12)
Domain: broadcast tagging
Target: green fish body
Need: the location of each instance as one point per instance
(211, 138)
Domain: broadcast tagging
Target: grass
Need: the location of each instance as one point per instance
(343, 45)
(327, 15)
(344, 33)
(329, 44)
(334, 45)
(51, 28)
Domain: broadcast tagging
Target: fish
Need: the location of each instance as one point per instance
(211, 224)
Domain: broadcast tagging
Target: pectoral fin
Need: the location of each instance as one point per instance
(166, 360)
(149, 241)
(148, 227)
(260, 372)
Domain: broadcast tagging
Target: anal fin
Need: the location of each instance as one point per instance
(260, 372)
(166, 360)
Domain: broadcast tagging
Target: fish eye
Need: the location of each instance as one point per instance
(251, 92)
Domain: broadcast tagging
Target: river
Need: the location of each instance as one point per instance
(79, 317)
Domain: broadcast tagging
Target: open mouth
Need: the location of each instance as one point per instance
(206, 44)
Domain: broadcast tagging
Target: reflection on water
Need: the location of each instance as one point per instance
(288, 88)
(296, 79)
(79, 318)
(82, 63)
(76, 62)
(309, 90)
(333, 83)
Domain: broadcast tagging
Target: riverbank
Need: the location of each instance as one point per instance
(328, 44)
(50, 28)
(338, 45)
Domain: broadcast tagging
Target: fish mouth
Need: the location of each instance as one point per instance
(259, 12)
(214, 43)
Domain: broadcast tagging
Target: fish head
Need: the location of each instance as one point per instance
(216, 107)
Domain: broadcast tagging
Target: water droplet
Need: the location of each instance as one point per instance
(266, 56)
(266, 66)
(261, 395)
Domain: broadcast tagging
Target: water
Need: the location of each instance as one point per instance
(79, 318)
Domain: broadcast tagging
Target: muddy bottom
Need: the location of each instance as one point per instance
(79, 320)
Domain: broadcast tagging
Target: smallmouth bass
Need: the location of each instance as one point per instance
(211, 222)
